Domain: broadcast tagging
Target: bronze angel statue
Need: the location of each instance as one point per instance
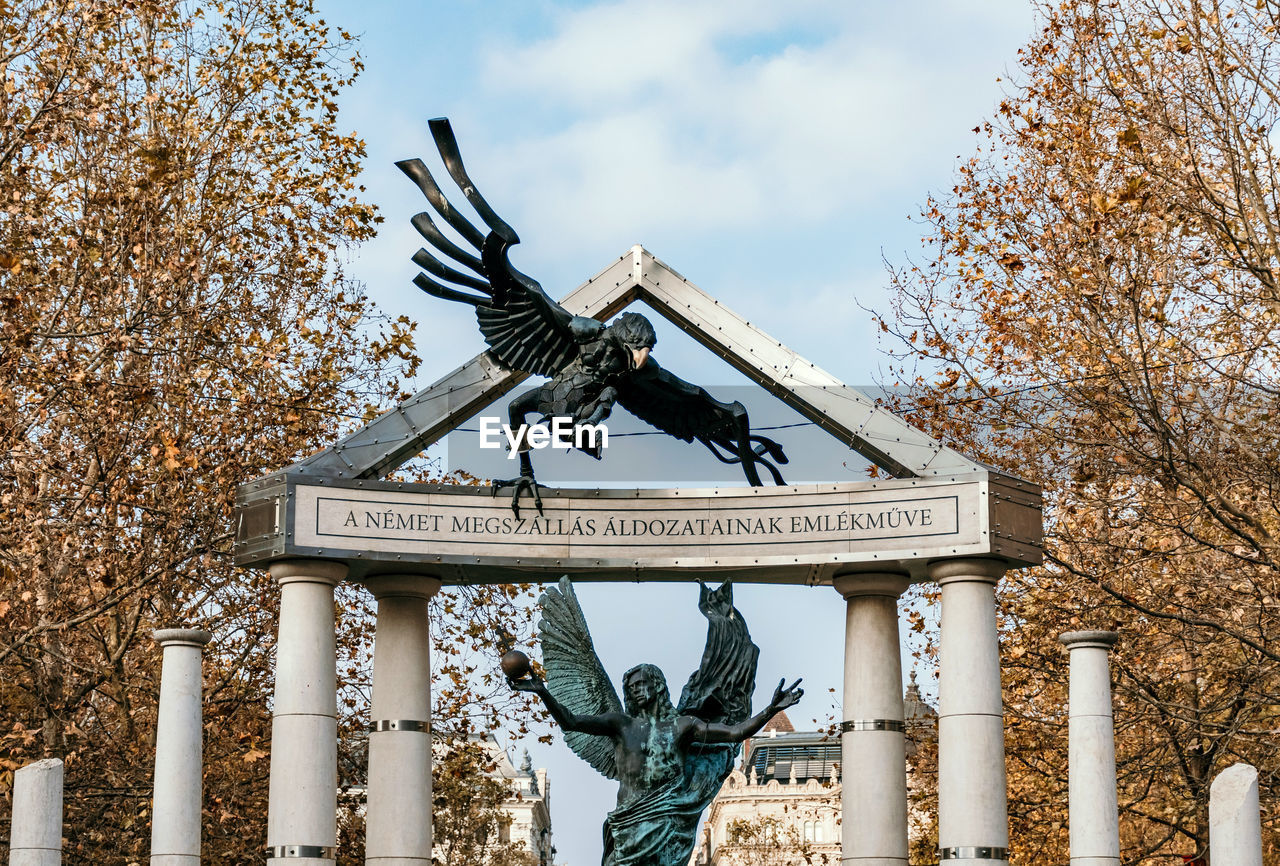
(669, 760)
(592, 366)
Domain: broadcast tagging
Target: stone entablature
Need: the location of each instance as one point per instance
(800, 534)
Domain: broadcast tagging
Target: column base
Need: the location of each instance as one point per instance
(974, 855)
(301, 855)
(175, 860)
(398, 798)
(875, 861)
(35, 857)
(1095, 861)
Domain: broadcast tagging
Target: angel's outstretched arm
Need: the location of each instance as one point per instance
(606, 724)
(707, 732)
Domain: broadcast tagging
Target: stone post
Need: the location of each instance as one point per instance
(873, 744)
(398, 814)
(302, 811)
(35, 832)
(1095, 817)
(1235, 828)
(973, 812)
(177, 801)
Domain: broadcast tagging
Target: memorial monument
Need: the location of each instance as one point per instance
(669, 760)
(930, 514)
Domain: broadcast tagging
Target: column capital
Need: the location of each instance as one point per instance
(882, 583)
(1081, 639)
(182, 637)
(422, 586)
(308, 571)
(967, 568)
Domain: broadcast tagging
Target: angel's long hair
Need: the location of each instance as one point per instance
(662, 706)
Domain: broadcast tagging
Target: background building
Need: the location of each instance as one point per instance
(526, 811)
(781, 806)
(528, 808)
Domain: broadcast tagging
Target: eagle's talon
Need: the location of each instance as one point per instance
(522, 484)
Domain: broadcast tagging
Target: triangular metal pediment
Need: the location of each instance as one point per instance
(398, 436)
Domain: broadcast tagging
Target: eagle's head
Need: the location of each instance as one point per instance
(635, 334)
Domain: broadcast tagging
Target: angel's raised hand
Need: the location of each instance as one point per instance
(786, 697)
(528, 684)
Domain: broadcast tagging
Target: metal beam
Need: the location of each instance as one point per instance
(398, 436)
(843, 411)
(799, 534)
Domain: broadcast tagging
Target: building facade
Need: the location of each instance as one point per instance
(528, 807)
(781, 806)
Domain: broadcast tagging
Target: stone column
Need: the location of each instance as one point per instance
(177, 801)
(35, 832)
(1095, 817)
(973, 812)
(302, 811)
(1235, 828)
(398, 815)
(873, 747)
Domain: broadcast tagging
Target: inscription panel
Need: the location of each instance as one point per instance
(691, 526)
(789, 534)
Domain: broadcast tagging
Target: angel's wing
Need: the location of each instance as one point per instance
(575, 676)
(524, 328)
(720, 689)
(688, 412)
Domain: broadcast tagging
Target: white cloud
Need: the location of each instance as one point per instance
(796, 136)
(671, 125)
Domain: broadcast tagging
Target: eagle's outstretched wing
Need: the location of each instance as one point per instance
(688, 412)
(575, 676)
(524, 328)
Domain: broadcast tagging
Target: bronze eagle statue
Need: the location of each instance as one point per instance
(592, 366)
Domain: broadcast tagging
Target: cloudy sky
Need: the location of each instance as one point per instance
(773, 153)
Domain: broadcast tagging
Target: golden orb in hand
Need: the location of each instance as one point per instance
(515, 664)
